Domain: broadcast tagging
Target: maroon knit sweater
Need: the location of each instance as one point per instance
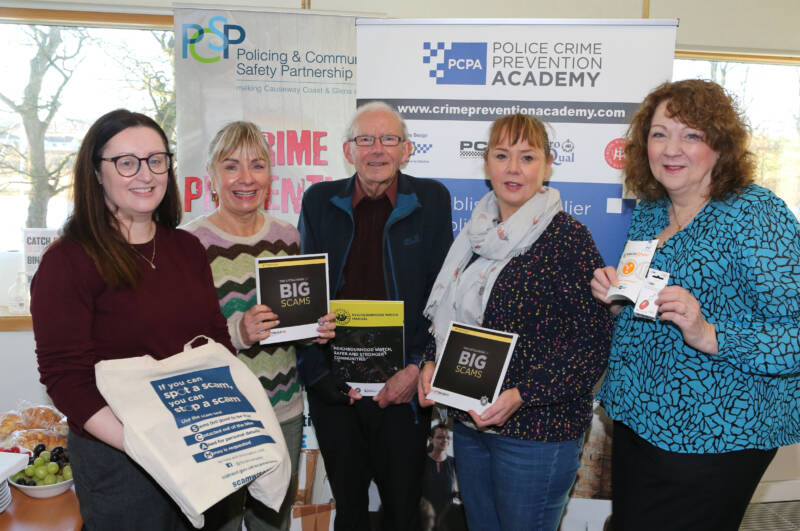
(78, 320)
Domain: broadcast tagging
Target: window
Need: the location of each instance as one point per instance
(54, 82)
(769, 94)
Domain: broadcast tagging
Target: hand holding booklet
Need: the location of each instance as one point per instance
(295, 288)
(637, 282)
(471, 368)
(632, 269)
(368, 348)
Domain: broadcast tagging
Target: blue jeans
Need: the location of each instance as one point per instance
(512, 484)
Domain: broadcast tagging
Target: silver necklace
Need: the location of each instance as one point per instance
(152, 259)
(675, 215)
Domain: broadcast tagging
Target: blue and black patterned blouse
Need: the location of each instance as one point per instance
(741, 259)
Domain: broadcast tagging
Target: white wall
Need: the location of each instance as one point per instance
(742, 26)
(19, 376)
(766, 26)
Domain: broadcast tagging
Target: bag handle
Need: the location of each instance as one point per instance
(189, 345)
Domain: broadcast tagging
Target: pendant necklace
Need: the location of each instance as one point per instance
(675, 215)
(152, 259)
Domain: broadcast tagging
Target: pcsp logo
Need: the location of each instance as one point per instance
(462, 63)
(218, 29)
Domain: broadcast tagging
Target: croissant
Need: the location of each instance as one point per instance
(9, 423)
(62, 428)
(33, 437)
(41, 416)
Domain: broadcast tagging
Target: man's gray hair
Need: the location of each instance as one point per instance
(371, 107)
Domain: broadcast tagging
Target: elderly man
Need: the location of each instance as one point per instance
(386, 235)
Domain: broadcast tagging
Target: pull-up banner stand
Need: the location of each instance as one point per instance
(585, 78)
(292, 74)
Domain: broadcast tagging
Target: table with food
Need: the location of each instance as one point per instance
(34, 461)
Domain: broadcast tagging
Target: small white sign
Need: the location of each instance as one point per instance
(34, 243)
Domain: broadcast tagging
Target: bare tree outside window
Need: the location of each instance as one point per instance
(57, 53)
(54, 82)
(154, 76)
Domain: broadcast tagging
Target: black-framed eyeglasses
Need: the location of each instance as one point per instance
(368, 140)
(129, 165)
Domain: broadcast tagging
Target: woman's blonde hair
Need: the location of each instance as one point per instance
(235, 135)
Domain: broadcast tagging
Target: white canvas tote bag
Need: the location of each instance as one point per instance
(200, 424)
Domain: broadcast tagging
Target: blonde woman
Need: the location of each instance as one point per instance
(234, 234)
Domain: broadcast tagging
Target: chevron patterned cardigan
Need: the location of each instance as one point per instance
(232, 265)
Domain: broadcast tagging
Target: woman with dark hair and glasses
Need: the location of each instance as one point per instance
(121, 282)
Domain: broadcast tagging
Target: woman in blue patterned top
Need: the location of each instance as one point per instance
(702, 397)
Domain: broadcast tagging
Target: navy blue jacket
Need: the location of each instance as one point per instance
(416, 239)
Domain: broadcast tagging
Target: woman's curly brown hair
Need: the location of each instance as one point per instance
(701, 105)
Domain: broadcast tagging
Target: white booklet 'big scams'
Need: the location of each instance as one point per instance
(472, 367)
(295, 288)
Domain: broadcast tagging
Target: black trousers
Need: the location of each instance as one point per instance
(364, 442)
(655, 489)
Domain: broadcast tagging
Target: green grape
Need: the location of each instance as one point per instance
(59, 478)
(39, 482)
(41, 472)
(67, 472)
(45, 455)
(52, 468)
(39, 461)
(49, 479)
(30, 470)
(16, 476)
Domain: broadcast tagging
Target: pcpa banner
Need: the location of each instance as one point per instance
(293, 75)
(451, 79)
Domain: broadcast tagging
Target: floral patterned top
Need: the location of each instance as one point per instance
(564, 333)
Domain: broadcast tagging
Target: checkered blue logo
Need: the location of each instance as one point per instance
(459, 63)
(417, 148)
